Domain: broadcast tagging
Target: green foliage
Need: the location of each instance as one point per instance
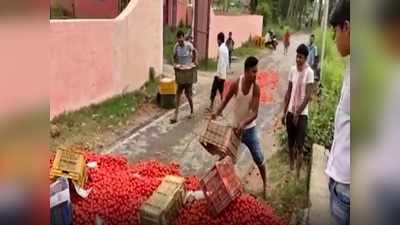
(247, 49)
(208, 65)
(56, 13)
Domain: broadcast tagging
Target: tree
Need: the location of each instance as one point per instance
(253, 6)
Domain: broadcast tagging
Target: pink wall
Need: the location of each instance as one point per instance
(94, 59)
(241, 26)
(181, 12)
(96, 8)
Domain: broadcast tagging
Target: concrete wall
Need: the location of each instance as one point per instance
(94, 59)
(96, 8)
(182, 12)
(242, 27)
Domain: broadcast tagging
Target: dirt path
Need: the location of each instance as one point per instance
(179, 142)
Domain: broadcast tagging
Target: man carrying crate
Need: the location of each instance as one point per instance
(247, 93)
(184, 57)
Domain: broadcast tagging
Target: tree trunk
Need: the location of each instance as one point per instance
(320, 12)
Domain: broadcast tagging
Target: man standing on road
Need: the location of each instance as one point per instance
(338, 168)
(220, 77)
(301, 79)
(247, 93)
(231, 45)
(312, 56)
(184, 54)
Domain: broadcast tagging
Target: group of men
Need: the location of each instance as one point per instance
(246, 93)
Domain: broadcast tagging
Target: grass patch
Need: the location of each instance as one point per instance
(288, 195)
(208, 65)
(90, 124)
(247, 49)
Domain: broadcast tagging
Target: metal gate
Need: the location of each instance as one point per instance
(201, 27)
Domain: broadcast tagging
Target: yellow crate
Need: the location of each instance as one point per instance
(167, 86)
(70, 164)
(164, 204)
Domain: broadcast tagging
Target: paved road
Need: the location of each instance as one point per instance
(179, 142)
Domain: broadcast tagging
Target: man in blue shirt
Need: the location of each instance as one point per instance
(313, 56)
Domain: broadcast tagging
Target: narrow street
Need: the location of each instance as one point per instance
(179, 142)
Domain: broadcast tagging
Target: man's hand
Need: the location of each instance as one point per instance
(238, 130)
(214, 116)
(283, 120)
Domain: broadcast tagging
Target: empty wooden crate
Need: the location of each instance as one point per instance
(219, 139)
(70, 164)
(164, 204)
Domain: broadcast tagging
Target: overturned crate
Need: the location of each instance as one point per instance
(70, 164)
(221, 186)
(219, 139)
(164, 204)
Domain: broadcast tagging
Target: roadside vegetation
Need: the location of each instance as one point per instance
(98, 125)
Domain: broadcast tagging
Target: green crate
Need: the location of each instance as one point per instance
(168, 101)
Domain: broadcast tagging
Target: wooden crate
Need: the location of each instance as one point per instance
(185, 74)
(164, 204)
(219, 139)
(221, 186)
(70, 164)
(167, 86)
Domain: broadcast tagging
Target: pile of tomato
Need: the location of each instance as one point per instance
(118, 189)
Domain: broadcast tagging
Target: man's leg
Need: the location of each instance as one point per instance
(230, 59)
(189, 94)
(291, 132)
(251, 141)
(300, 139)
(213, 93)
(178, 99)
(339, 203)
(221, 84)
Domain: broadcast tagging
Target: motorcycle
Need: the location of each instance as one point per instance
(272, 43)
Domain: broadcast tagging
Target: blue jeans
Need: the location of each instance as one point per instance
(339, 203)
(250, 139)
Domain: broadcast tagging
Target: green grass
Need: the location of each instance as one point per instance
(288, 195)
(208, 65)
(91, 122)
(247, 49)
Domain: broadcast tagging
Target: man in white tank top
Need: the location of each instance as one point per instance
(247, 96)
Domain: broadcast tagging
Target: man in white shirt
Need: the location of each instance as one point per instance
(223, 63)
(338, 168)
(301, 79)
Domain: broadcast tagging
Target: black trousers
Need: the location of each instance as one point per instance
(296, 132)
(217, 86)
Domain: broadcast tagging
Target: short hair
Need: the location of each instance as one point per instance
(180, 34)
(221, 37)
(340, 13)
(250, 62)
(312, 35)
(302, 50)
(230, 32)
